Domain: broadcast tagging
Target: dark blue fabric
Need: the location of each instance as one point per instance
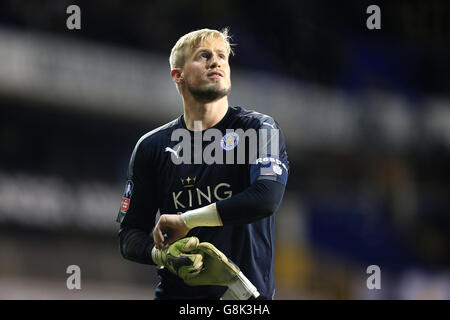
(159, 184)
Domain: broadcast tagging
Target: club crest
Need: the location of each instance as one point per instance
(229, 141)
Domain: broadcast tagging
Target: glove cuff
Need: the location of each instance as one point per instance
(240, 288)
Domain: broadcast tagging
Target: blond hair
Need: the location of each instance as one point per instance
(193, 39)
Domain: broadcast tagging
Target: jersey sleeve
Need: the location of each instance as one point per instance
(139, 201)
(272, 160)
(269, 168)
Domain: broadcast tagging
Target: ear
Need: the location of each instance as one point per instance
(177, 75)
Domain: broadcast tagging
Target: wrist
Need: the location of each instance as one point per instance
(206, 216)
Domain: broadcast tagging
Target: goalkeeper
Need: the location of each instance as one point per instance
(205, 209)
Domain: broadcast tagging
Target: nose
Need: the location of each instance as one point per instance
(214, 61)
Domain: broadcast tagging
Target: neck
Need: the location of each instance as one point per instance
(209, 113)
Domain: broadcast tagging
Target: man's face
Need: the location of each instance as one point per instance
(207, 72)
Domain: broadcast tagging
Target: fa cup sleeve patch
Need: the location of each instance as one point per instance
(126, 198)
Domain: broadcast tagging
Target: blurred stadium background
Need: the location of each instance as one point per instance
(366, 115)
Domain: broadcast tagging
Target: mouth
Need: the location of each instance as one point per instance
(215, 74)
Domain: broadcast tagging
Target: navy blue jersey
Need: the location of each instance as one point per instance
(157, 182)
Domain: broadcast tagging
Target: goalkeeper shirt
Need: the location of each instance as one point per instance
(173, 170)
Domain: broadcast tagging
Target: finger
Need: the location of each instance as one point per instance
(190, 244)
(197, 261)
(158, 237)
(169, 239)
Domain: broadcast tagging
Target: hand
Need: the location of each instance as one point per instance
(180, 258)
(217, 269)
(172, 225)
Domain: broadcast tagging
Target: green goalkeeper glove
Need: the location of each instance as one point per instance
(179, 258)
(219, 270)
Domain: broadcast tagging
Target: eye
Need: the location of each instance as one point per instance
(204, 55)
